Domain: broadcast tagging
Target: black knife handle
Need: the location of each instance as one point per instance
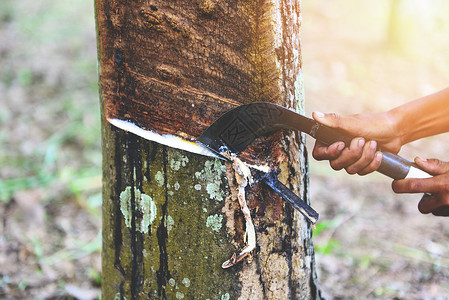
(392, 165)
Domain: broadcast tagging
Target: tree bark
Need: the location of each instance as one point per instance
(171, 217)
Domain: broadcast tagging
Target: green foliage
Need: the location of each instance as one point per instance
(9, 186)
(76, 251)
(94, 276)
(327, 248)
(327, 245)
(49, 129)
(56, 77)
(321, 226)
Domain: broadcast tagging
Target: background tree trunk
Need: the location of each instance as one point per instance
(394, 28)
(170, 217)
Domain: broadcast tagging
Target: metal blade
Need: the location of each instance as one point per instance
(300, 205)
(239, 127)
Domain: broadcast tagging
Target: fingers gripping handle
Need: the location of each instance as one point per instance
(398, 167)
(392, 165)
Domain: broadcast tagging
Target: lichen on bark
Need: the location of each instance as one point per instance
(144, 204)
(172, 67)
(179, 253)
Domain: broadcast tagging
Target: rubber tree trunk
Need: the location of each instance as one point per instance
(171, 217)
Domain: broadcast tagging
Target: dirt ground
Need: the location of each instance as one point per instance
(50, 154)
(370, 243)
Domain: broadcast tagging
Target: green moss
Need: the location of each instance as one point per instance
(178, 161)
(172, 282)
(144, 204)
(149, 211)
(212, 176)
(179, 244)
(225, 296)
(125, 205)
(213, 189)
(196, 244)
(159, 178)
(214, 222)
(169, 223)
(186, 282)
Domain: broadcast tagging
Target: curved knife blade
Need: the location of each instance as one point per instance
(239, 127)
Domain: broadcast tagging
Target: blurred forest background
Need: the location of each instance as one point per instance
(358, 56)
(370, 56)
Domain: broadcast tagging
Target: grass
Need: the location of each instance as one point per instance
(59, 96)
(50, 144)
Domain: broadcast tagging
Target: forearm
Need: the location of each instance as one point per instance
(422, 117)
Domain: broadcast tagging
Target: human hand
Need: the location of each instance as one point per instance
(362, 156)
(436, 199)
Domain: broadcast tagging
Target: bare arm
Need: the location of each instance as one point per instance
(420, 118)
(423, 117)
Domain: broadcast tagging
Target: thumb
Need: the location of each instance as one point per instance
(433, 166)
(331, 120)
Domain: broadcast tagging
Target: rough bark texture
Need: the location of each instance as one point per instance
(170, 218)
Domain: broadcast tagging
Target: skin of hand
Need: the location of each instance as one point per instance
(362, 156)
(411, 121)
(436, 201)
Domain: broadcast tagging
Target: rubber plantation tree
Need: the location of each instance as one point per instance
(171, 213)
